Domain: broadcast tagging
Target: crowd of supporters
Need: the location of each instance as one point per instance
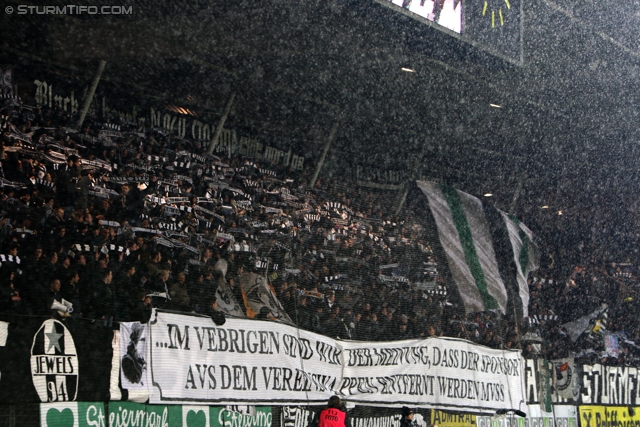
(113, 221)
(604, 296)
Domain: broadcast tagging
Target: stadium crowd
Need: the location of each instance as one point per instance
(113, 221)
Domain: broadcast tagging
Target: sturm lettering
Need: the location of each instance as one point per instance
(610, 385)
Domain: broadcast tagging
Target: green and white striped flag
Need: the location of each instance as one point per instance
(525, 254)
(466, 239)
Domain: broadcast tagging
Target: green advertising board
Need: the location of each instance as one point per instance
(72, 414)
(127, 414)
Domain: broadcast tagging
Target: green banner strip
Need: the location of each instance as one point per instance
(129, 414)
(69, 414)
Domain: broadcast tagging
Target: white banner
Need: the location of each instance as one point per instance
(610, 385)
(439, 372)
(133, 343)
(260, 362)
(244, 362)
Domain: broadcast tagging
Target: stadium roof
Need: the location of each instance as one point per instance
(566, 129)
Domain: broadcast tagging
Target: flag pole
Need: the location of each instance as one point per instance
(223, 119)
(516, 193)
(403, 198)
(332, 134)
(89, 96)
(515, 320)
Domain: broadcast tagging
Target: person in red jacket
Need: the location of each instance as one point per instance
(335, 415)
